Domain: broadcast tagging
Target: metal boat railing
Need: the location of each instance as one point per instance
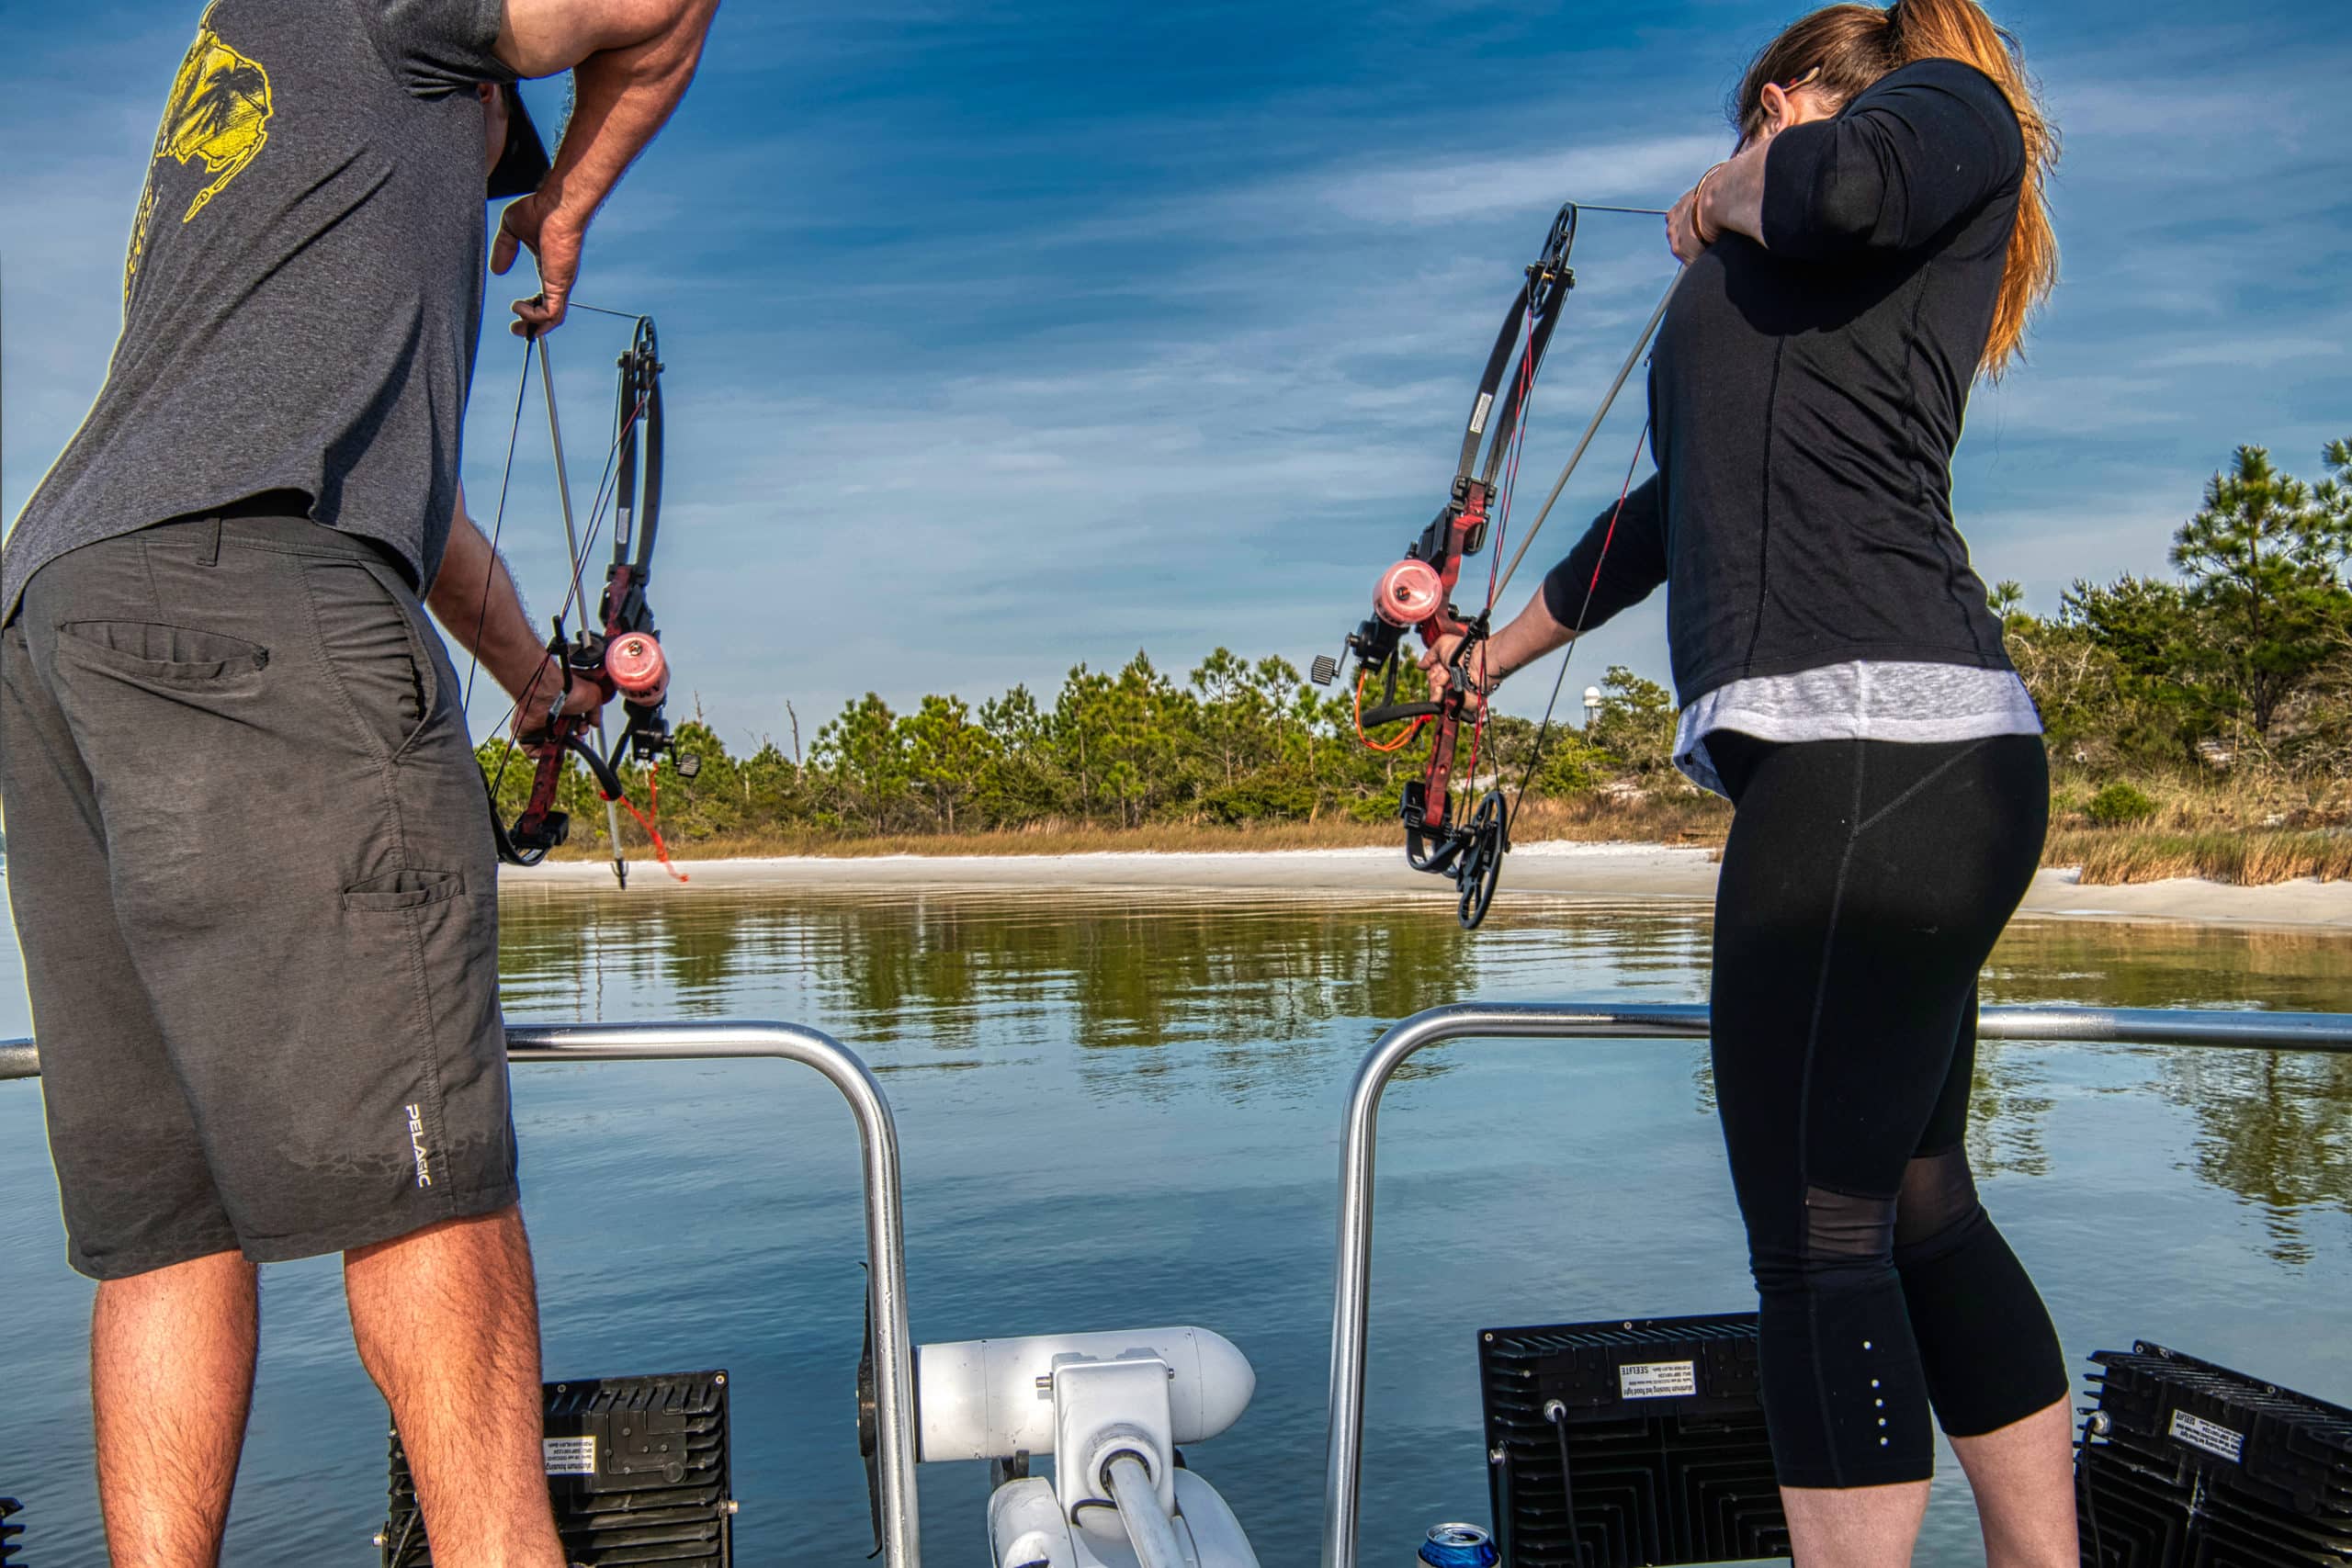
(1546, 1020)
(886, 1233)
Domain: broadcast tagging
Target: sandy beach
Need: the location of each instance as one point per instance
(1610, 873)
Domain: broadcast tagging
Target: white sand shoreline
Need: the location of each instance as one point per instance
(1607, 874)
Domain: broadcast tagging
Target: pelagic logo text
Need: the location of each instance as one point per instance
(416, 1146)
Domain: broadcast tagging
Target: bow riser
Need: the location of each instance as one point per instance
(541, 827)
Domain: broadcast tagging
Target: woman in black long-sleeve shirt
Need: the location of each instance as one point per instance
(1872, 247)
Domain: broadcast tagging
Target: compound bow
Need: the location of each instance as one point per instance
(1416, 593)
(620, 651)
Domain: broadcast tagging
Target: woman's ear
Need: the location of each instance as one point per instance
(1775, 107)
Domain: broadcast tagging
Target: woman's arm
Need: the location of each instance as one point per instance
(1921, 149)
(1619, 561)
(1918, 151)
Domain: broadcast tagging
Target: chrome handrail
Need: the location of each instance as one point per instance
(886, 1237)
(1350, 1302)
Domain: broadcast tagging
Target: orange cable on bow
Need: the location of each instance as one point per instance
(1370, 744)
(653, 798)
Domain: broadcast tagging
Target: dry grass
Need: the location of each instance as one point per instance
(2110, 856)
(2246, 832)
(1666, 818)
(1045, 838)
(2250, 828)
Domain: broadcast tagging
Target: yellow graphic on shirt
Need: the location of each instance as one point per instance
(219, 114)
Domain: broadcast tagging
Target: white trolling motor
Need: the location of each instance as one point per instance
(1111, 1408)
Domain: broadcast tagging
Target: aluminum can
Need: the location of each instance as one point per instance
(1458, 1546)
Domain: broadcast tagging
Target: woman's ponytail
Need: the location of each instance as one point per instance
(1959, 29)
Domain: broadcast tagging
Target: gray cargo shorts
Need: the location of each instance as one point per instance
(249, 860)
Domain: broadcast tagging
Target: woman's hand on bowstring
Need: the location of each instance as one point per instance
(538, 708)
(1438, 659)
(1729, 198)
(1707, 211)
(1688, 231)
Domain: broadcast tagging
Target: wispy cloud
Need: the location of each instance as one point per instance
(1002, 338)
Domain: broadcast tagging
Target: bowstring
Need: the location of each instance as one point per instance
(498, 524)
(1584, 612)
(1608, 402)
(490, 577)
(606, 494)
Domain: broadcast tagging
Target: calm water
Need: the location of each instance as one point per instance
(1118, 1113)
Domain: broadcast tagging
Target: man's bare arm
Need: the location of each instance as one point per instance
(630, 61)
(475, 600)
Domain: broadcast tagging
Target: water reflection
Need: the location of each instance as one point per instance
(1247, 989)
(2273, 1129)
(1242, 978)
(2132, 966)
(2008, 1112)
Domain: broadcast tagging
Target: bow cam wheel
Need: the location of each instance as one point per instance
(1481, 863)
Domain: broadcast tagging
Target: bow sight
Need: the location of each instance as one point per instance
(620, 651)
(1416, 593)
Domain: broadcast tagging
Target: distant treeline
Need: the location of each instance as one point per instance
(1233, 742)
(2242, 662)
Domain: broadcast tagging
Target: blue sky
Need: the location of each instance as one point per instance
(1002, 337)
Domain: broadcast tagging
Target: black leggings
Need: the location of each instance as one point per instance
(1862, 889)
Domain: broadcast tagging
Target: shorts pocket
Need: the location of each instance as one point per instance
(398, 890)
(389, 683)
(182, 656)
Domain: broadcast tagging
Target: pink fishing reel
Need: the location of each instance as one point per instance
(635, 666)
(1409, 593)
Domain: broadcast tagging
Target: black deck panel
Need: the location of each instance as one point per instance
(1669, 1465)
(659, 1492)
(2202, 1467)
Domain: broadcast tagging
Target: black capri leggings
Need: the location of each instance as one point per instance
(1862, 889)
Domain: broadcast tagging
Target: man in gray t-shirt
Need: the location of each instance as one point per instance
(249, 849)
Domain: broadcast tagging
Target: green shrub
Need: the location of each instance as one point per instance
(2119, 805)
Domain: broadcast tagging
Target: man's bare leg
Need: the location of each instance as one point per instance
(171, 1381)
(447, 1323)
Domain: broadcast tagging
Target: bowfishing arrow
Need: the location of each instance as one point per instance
(1416, 593)
(619, 650)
